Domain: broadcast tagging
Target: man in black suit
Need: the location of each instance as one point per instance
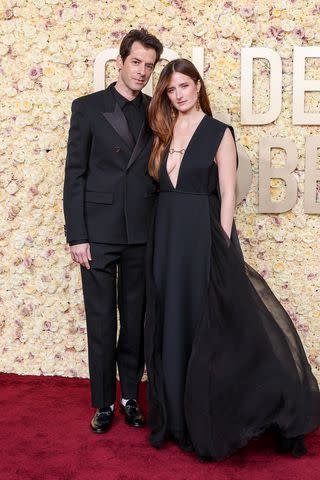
(108, 200)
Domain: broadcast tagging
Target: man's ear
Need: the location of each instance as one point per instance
(119, 62)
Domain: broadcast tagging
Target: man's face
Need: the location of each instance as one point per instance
(135, 71)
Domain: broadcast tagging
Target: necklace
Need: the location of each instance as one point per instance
(172, 151)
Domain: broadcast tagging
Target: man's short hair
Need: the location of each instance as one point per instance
(145, 38)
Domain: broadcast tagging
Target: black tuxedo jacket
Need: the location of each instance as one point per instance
(108, 194)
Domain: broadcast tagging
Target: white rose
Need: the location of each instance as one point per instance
(309, 20)
(12, 188)
(25, 84)
(246, 41)
(8, 27)
(25, 105)
(285, 52)
(67, 14)
(45, 11)
(309, 33)
(29, 30)
(24, 120)
(57, 83)
(76, 29)
(261, 9)
(288, 25)
(227, 31)
(8, 39)
(36, 176)
(280, 4)
(60, 57)
(4, 49)
(224, 20)
(36, 56)
(200, 29)
(223, 44)
(10, 92)
(71, 44)
(79, 69)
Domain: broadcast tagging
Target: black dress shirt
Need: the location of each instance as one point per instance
(133, 110)
(135, 115)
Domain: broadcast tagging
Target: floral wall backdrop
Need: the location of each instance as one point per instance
(47, 50)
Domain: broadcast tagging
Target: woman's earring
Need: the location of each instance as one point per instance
(198, 103)
(172, 112)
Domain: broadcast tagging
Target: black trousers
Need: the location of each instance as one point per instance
(103, 291)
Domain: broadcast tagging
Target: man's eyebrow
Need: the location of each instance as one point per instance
(138, 60)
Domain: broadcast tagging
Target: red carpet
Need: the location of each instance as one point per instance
(44, 434)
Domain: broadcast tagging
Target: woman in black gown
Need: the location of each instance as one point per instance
(224, 360)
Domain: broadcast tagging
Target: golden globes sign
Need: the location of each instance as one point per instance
(248, 117)
(300, 117)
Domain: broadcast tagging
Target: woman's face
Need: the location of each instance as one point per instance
(182, 92)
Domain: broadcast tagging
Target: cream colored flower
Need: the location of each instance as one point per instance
(309, 34)
(227, 31)
(4, 49)
(288, 25)
(223, 44)
(45, 11)
(278, 266)
(48, 71)
(224, 20)
(309, 20)
(10, 92)
(261, 9)
(280, 4)
(57, 83)
(29, 30)
(71, 44)
(25, 105)
(8, 39)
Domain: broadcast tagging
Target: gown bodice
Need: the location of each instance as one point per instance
(198, 173)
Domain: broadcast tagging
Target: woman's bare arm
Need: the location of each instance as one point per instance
(226, 160)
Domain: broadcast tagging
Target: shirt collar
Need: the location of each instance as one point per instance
(122, 101)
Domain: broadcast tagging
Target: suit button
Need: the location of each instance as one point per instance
(117, 149)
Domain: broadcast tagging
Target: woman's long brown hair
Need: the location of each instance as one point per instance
(160, 115)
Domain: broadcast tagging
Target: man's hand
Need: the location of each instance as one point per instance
(81, 254)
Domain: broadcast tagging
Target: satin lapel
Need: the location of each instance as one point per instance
(144, 136)
(119, 123)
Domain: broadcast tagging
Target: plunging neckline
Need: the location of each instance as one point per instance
(185, 152)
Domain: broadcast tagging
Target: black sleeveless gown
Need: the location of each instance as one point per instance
(224, 360)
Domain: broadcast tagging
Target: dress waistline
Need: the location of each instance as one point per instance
(187, 193)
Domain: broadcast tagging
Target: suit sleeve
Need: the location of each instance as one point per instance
(78, 152)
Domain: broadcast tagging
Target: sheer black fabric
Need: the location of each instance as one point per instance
(224, 360)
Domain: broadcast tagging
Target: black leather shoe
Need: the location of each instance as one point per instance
(132, 413)
(102, 420)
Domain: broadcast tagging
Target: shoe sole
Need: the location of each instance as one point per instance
(127, 422)
(99, 431)
(135, 426)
